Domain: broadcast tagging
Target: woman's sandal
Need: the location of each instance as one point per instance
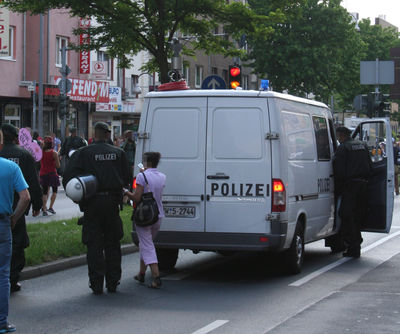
(139, 277)
(156, 283)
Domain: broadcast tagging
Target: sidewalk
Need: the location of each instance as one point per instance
(65, 208)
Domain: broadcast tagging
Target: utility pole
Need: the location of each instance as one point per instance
(65, 86)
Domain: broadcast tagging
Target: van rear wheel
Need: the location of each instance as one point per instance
(167, 258)
(294, 256)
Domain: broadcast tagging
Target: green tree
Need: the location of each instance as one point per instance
(128, 26)
(316, 50)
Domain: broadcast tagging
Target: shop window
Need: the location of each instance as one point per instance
(60, 42)
(12, 114)
(198, 76)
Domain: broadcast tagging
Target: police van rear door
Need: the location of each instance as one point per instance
(377, 134)
(176, 127)
(238, 165)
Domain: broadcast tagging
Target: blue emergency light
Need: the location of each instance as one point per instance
(264, 84)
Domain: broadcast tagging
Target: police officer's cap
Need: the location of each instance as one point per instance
(10, 129)
(344, 130)
(102, 126)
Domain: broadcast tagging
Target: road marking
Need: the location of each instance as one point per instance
(211, 327)
(323, 270)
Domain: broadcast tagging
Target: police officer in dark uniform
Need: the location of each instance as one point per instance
(72, 143)
(352, 168)
(102, 225)
(20, 237)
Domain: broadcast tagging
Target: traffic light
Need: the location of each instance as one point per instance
(235, 76)
(384, 105)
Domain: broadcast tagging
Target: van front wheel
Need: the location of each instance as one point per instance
(167, 258)
(295, 254)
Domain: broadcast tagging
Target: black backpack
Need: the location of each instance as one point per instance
(146, 212)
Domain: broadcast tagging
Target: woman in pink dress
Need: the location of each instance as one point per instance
(48, 174)
(156, 180)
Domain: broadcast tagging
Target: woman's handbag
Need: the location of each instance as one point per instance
(146, 212)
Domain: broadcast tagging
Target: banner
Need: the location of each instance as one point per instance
(87, 90)
(84, 55)
(4, 32)
(115, 103)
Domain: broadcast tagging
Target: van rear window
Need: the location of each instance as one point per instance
(180, 126)
(237, 133)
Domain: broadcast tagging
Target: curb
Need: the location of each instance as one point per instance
(63, 264)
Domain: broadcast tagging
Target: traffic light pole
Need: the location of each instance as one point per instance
(63, 92)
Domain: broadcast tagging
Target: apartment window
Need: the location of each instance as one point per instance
(185, 73)
(214, 70)
(103, 56)
(60, 43)
(245, 82)
(225, 75)
(11, 42)
(198, 76)
(216, 30)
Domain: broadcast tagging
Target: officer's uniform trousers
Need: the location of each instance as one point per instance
(20, 241)
(352, 212)
(102, 232)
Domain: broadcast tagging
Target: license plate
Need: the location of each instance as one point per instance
(180, 211)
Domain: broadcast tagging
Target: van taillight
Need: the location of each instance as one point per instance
(278, 196)
(134, 183)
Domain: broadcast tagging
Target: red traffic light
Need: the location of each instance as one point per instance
(234, 71)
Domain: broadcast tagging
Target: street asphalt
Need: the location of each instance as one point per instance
(243, 293)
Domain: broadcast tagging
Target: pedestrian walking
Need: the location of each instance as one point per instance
(102, 226)
(20, 238)
(155, 184)
(48, 174)
(11, 180)
(129, 147)
(72, 143)
(352, 168)
(57, 142)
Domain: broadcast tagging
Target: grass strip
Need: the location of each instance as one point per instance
(63, 238)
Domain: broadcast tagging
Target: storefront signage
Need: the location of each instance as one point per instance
(87, 90)
(129, 106)
(4, 31)
(115, 102)
(99, 70)
(84, 55)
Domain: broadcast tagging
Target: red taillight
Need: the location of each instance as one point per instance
(278, 196)
(264, 239)
(134, 183)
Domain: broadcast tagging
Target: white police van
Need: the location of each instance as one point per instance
(246, 170)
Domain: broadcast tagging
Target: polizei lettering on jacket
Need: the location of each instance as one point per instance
(240, 189)
(105, 157)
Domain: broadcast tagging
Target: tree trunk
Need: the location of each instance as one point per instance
(162, 60)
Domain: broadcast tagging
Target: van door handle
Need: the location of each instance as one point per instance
(218, 177)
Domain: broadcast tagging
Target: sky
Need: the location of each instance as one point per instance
(374, 8)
